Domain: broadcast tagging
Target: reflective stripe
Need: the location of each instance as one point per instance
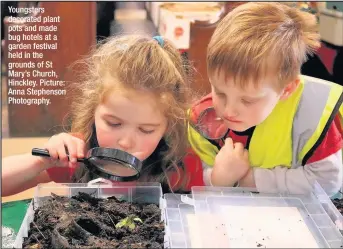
(308, 115)
(313, 118)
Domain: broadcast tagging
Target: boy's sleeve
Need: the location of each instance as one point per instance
(327, 172)
(325, 166)
(207, 172)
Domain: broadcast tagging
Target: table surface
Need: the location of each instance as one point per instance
(13, 214)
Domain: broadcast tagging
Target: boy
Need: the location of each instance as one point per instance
(264, 125)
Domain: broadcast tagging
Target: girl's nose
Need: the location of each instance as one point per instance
(126, 143)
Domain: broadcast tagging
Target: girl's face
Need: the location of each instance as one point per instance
(131, 121)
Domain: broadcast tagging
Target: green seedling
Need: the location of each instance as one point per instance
(129, 222)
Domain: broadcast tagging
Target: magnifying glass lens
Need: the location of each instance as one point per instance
(113, 167)
(210, 125)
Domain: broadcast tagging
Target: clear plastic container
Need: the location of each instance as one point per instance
(99, 188)
(329, 207)
(320, 209)
(176, 210)
(258, 218)
(195, 220)
(311, 201)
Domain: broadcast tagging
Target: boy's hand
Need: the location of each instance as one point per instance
(248, 180)
(231, 164)
(62, 145)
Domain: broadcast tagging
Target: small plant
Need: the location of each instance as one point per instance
(129, 222)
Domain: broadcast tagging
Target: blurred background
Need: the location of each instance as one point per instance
(188, 24)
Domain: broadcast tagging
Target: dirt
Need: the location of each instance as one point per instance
(87, 222)
(339, 204)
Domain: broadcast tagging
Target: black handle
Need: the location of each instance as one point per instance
(40, 152)
(43, 152)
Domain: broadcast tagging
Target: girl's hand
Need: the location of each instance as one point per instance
(62, 145)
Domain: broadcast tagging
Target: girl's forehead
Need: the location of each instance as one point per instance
(135, 96)
(139, 106)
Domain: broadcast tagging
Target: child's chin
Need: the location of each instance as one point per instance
(240, 127)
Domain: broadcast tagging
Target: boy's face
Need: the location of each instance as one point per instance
(243, 108)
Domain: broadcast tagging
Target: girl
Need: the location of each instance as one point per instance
(134, 97)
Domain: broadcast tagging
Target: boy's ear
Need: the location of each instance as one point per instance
(290, 88)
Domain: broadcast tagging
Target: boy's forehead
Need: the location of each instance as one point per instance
(222, 81)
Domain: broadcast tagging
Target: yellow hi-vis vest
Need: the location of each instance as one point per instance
(291, 133)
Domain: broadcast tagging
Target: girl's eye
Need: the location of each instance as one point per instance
(113, 124)
(146, 131)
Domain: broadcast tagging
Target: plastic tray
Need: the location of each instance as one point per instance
(322, 217)
(323, 220)
(139, 193)
(318, 205)
(313, 222)
(329, 207)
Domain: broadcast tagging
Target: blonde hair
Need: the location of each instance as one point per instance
(136, 62)
(257, 38)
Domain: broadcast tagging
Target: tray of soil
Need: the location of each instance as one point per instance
(338, 201)
(334, 208)
(84, 216)
(338, 204)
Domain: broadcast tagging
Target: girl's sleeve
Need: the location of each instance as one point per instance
(61, 174)
(191, 174)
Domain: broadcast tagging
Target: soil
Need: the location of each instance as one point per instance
(339, 204)
(87, 222)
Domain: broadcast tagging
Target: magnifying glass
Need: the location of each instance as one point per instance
(211, 126)
(112, 164)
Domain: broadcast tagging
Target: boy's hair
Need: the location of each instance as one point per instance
(257, 38)
(136, 62)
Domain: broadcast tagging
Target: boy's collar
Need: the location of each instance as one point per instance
(244, 133)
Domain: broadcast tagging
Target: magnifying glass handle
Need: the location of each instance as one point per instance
(43, 152)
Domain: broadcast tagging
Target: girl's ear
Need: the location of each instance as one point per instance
(290, 88)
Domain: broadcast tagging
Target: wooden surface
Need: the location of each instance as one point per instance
(200, 36)
(27, 194)
(76, 34)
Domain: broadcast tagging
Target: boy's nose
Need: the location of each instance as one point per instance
(231, 112)
(126, 143)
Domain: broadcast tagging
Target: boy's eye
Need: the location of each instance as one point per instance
(220, 95)
(248, 102)
(146, 131)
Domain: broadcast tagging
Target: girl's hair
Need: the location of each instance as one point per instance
(138, 63)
